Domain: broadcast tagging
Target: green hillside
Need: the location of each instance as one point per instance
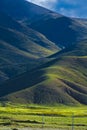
(43, 55)
(20, 47)
(62, 80)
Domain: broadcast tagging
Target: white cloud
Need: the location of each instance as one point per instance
(50, 4)
(73, 8)
(70, 12)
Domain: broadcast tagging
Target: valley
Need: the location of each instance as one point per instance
(43, 68)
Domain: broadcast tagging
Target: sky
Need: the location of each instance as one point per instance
(72, 8)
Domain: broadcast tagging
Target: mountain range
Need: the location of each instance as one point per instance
(43, 55)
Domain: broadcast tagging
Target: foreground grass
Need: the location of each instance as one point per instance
(43, 116)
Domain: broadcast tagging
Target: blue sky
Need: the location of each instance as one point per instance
(73, 8)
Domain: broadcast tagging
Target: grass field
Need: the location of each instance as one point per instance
(62, 117)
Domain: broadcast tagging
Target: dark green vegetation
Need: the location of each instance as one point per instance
(20, 47)
(43, 55)
(62, 80)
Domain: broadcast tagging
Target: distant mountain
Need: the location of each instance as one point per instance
(43, 55)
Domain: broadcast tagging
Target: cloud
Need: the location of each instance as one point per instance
(72, 8)
(68, 12)
(50, 4)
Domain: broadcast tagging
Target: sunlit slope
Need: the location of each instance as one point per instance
(62, 80)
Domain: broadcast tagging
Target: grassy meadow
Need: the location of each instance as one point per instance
(35, 116)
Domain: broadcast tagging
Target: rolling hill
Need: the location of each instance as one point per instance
(20, 47)
(61, 80)
(43, 55)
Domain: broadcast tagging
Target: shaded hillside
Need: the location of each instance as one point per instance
(9, 24)
(62, 80)
(64, 31)
(59, 29)
(23, 11)
(20, 47)
(80, 49)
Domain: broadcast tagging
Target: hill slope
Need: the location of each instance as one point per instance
(64, 31)
(20, 47)
(24, 12)
(59, 29)
(33, 68)
(62, 80)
